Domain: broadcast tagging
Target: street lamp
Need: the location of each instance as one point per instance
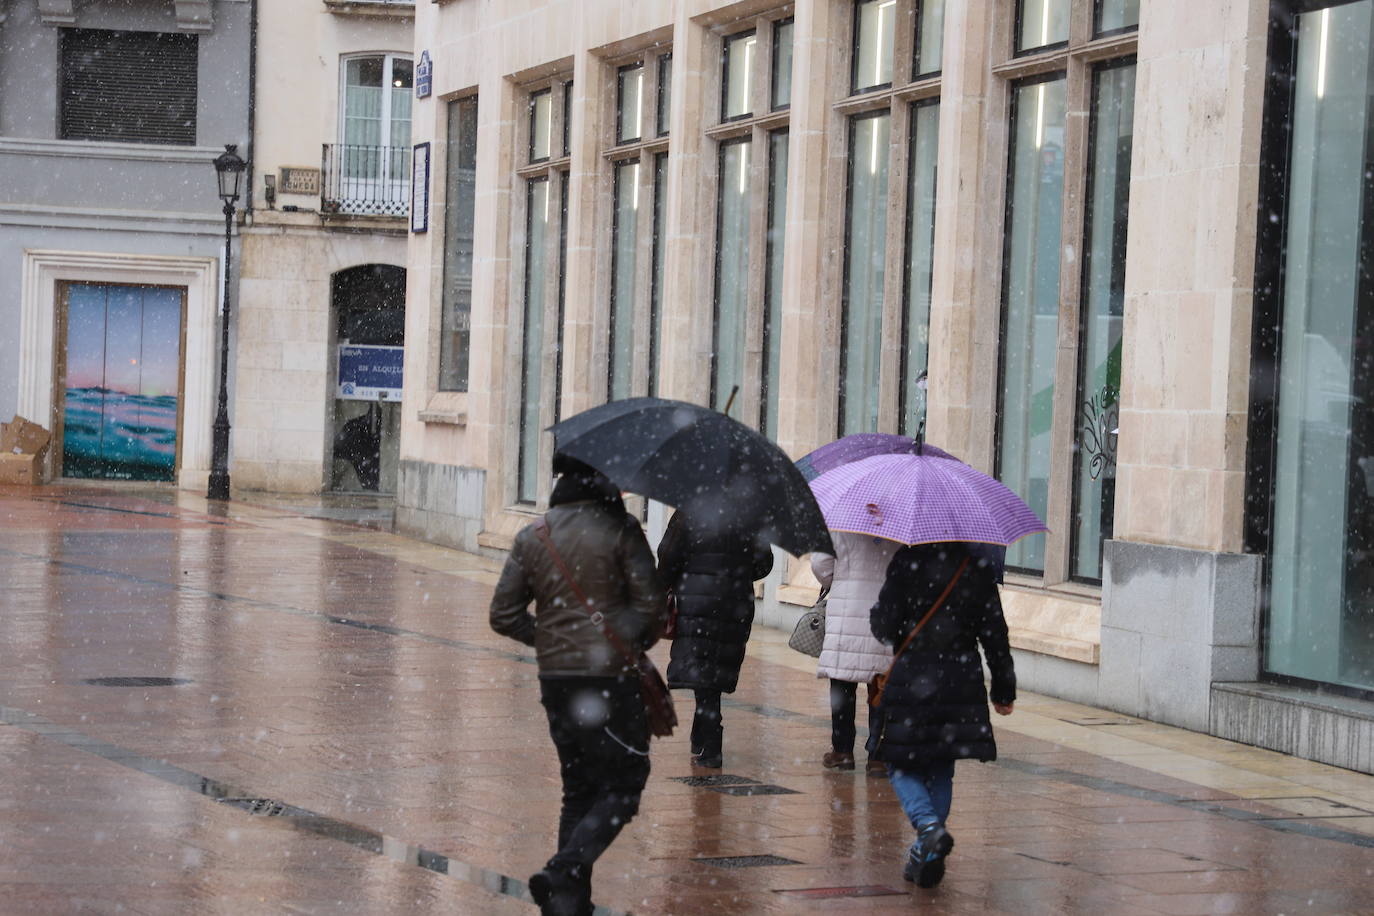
(229, 171)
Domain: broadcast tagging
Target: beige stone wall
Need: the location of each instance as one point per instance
(1190, 271)
(283, 408)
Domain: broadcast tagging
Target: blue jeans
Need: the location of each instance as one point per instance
(925, 790)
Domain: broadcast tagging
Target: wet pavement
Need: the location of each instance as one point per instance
(342, 734)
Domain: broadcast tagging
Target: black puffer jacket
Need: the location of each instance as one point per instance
(935, 706)
(711, 573)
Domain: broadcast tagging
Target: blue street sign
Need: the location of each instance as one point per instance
(370, 373)
(424, 76)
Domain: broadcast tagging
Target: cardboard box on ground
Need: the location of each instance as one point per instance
(22, 447)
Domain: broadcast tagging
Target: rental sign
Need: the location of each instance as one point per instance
(370, 373)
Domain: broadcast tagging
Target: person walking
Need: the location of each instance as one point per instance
(850, 655)
(710, 565)
(934, 707)
(589, 692)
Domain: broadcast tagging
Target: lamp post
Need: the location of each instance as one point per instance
(229, 171)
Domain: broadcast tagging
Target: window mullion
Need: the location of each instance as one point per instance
(890, 350)
(903, 49)
(1065, 409)
(750, 386)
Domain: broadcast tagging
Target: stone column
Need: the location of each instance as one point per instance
(1180, 602)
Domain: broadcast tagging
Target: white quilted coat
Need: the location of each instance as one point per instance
(855, 576)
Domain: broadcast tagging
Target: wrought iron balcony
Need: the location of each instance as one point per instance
(365, 180)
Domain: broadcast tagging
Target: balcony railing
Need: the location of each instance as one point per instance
(365, 180)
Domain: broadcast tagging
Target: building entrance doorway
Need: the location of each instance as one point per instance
(120, 417)
(369, 312)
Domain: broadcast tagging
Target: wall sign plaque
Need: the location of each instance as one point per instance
(296, 180)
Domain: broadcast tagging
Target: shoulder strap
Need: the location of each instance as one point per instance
(930, 613)
(541, 528)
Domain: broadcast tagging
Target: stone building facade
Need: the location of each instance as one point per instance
(323, 263)
(111, 232)
(1118, 240)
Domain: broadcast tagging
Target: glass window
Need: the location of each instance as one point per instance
(541, 120)
(1114, 15)
(865, 251)
(732, 271)
(1104, 295)
(624, 242)
(1041, 23)
(532, 352)
(664, 107)
(920, 250)
(772, 280)
(629, 107)
(1321, 610)
(460, 177)
(782, 65)
(656, 275)
(1031, 301)
(874, 29)
(930, 37)
(737, 84)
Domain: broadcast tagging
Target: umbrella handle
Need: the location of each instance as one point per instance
(733, 391)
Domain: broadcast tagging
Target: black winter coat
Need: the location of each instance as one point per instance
(711, 575)
(935, 706)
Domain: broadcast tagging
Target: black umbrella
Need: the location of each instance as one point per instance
(699, 459)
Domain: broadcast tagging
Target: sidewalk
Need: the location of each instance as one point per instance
(344, 734)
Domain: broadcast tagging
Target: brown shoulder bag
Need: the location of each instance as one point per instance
(879, 682)
(658, 702)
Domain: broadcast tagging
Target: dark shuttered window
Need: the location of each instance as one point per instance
(135, 87)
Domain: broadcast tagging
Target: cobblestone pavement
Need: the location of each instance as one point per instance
(345, 735)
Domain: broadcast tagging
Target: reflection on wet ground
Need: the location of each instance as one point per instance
(343, 734)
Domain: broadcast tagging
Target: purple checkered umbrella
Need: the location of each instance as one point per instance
(858, 446)
(918, 499)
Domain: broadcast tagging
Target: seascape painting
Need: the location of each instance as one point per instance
(123, 373)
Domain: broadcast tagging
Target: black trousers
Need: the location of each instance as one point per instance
(597, 725)
(708, 731)
(843, 698)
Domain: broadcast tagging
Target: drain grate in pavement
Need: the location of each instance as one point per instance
(745, 861)
(837, 893)
(266, 807)
(1100, 720)
(754, 789)
(717, 779)
(136, 681)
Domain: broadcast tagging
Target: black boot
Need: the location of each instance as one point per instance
(561, 892)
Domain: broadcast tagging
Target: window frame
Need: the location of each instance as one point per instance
(907, 91)
(1076, 58)
(388, 60)
(756, 128)
(653, 142)
(556, 170)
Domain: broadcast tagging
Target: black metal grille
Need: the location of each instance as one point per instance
(135, 681)
(366, 180)
(718, 779)
(754, 790)
(745, 861)
(266, 807)
(134, 87)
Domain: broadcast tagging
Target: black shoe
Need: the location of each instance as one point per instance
(559, 893)
(932, 846)
(709, 761)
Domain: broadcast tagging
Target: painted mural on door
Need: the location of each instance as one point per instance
(123, 382)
